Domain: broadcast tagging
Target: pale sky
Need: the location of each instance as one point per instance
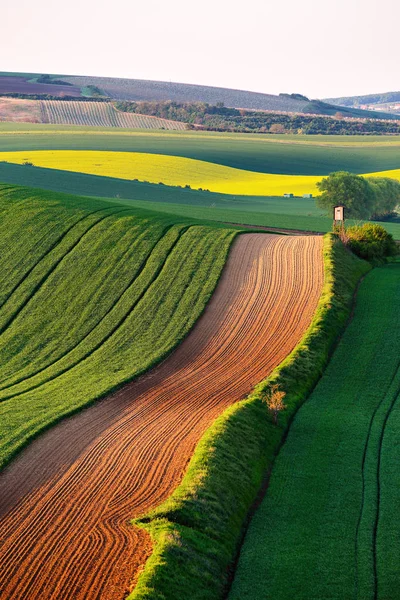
(318, 48)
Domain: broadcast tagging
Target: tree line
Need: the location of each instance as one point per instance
(376, 198)
(221, 118)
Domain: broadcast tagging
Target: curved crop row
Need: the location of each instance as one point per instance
(29, 230)
(128, 452)
(92, 328)
(122, 238)
(100, 114)
(23, 292)
(69, 315)
(202, 522)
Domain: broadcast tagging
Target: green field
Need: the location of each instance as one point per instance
(62, 325)
(174, 171)
(334, 484)
(292, 155)
(201, 523)
(302, 155)
(328, 526)
(285, 213)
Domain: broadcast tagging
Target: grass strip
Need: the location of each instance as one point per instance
(230, 214)
(279, 212)
(327, 523)
(196, 532)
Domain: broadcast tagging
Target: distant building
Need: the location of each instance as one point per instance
(288, 195)
(307, 195)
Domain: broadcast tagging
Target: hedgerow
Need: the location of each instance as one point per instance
(196, 532)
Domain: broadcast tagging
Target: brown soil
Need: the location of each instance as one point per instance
(65, 502)
(275, 229)
(20, 85)
(17, 109)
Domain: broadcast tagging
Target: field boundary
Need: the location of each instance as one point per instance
(196, 532)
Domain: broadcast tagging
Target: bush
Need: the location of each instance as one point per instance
(371, 241)
(48, 79)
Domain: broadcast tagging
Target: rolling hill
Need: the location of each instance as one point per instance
(174, 171)
(388, 102)
(283, 154)
(88, 309)
(94, 296)
(72, 112)
(146, 90)
(99, 114)
(304, 156)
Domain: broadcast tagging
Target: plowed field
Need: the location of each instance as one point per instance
(100, 114)
(66, 500)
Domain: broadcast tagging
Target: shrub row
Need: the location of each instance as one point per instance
(320, 118)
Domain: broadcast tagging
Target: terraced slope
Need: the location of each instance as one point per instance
(329, 525)
(99, 114)
(74, 489)
(174, 171)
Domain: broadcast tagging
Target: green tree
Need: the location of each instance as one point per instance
(274, 399)
(352, 191)
(387, 196)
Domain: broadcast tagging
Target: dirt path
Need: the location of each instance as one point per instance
(65, 502)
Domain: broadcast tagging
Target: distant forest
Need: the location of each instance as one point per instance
(368, 99)
(218, 117)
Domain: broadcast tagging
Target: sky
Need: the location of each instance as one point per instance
(314, 47)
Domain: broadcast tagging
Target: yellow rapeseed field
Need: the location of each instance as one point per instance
(173, 170)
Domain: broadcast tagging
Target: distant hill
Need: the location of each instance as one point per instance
(143, 90)
(223, 118)
(387, 102)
